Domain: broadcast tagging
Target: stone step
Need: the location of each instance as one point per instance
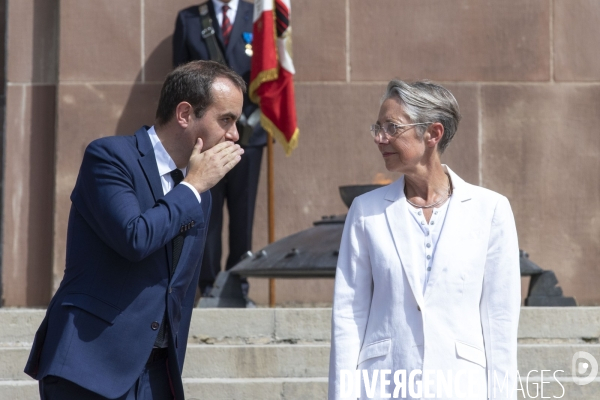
(219, 361)
(304, 389)
(301, 361)
(306, 325)
(214, 389)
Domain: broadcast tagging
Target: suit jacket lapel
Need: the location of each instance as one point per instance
(398, 219)
(148, 162)
(457, 215)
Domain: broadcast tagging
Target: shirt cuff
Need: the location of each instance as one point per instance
(193, 190)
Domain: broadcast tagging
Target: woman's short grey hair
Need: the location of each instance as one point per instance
(427, 102)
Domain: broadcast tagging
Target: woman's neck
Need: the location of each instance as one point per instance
(427, 185)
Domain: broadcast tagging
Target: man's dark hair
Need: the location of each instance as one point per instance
(192, 82)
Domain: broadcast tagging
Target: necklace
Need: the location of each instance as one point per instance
(437, 202)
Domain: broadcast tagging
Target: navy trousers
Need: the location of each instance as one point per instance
(153, 384)
(238, 188)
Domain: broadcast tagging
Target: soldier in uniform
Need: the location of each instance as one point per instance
(222, 31)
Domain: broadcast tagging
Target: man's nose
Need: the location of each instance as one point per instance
(233, 134)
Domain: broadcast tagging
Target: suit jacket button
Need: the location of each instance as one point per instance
(419, 308)
(154, 325)
(170, 289)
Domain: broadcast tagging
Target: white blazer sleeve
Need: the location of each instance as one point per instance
(352, 299)
(500, 302)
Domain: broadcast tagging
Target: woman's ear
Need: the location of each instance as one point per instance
(434, 134)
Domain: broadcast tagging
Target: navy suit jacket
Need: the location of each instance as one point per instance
(188, 45)
(101, 324)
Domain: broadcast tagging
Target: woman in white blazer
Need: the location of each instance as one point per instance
(427, 287)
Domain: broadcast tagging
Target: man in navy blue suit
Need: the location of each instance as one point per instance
(118, 325)
(231, 23)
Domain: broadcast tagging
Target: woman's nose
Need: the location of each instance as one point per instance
(380, 138)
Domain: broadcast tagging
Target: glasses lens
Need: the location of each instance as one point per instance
(375, 130)
(389, 129)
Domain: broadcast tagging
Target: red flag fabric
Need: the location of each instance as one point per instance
(271, 76)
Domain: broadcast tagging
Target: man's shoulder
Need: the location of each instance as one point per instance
(192, 11)
(112, 146)
(113, 141)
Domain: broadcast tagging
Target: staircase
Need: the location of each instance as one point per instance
(283, 353)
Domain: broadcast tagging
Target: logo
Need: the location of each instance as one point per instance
(584, 372)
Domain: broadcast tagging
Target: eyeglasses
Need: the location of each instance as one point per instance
(390, 129)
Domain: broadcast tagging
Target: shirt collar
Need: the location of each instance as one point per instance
(233, 5)
(164, 162)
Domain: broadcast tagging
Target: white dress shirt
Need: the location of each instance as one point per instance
(233, 6)
(429, 234)
(165, 165)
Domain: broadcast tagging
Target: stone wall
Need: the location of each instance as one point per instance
(29, 134)
(525, 73)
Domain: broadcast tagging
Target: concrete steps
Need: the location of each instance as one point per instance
(283, 353)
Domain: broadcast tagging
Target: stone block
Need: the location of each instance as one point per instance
(19, 326)
(19, 390)
(27, 220)
(243, 325)
(159, 22)
(303, 324)
(100, 40)
(296, 389)
(32, 45)
(553, 357)
(539, 142)
(568, 323)
(13, 360)
(457, 40)
(256, 361)
(576, 33)
(232, 389)
(319, 41)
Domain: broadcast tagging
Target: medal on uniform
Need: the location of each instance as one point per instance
(248, 39)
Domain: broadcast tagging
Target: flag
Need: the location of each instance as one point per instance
(271, 76)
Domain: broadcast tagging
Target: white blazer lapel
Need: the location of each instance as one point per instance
(458, 215)
(398, 219)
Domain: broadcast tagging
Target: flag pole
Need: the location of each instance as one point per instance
(271, 210)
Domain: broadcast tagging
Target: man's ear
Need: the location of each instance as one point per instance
(183, 113)
(434, 134)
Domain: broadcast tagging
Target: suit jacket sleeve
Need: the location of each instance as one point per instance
(352, 299)
(180, 52)
(501, 300)
(107, 198)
